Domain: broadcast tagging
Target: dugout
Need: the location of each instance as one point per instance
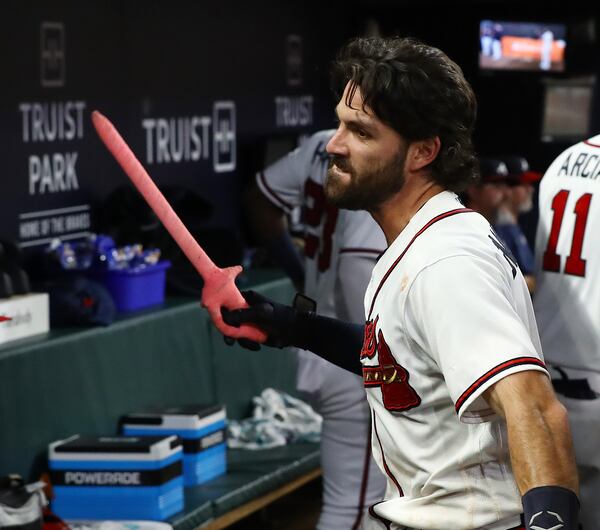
(204, 93)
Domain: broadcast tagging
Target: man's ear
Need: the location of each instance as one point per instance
(421, 153)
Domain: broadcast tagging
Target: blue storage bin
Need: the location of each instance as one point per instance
(203, 430)
(136, 288)
(117, 477)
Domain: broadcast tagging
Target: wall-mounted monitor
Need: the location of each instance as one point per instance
(527, 46)
(567, 109)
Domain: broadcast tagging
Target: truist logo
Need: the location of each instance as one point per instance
(546, 520)
(173, 140)
(391, 377)
(52, 52)
(102, 478)
(369, 343)
(224, 141)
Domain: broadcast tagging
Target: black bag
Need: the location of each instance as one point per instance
(13, 278)
(78, 301)
(21, 504)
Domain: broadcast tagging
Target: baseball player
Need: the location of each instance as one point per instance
(518, 199)
(486, 30)
(340, 251)
(466, 425)
(567, 302)
(486, 195)
(547, 40)
(497, 35)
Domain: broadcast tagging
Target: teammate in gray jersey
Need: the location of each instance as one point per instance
(340, 249)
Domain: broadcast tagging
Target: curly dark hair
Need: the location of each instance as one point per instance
(418, 91)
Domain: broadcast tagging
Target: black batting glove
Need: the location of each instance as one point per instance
(281, 323)
(244, 343)
(334, 340)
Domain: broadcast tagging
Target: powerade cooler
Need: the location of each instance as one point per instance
(120, 477)
(202, 429)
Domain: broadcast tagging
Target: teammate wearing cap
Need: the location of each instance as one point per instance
(340, 251)
(518, 199)
(466, 425)
(567, 302)
(486, 195)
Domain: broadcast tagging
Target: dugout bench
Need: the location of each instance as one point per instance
(82, 380)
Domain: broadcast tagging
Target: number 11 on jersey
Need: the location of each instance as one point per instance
(574, 264)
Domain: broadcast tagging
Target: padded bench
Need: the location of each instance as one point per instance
(82, 380)
(254, 480)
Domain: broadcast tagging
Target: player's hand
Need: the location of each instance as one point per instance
(278, 321)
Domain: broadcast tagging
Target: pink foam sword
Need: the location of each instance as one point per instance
(219, 284)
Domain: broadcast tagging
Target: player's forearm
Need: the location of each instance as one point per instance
(540, 447)
(539, 437)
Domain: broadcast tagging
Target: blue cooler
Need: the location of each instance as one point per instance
(136, 288)
(121, 477)
(202, 430)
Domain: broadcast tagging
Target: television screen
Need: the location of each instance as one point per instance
(522, 46)
(567, 110)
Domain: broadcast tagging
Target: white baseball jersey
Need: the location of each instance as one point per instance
(567, 298)
(448, 315)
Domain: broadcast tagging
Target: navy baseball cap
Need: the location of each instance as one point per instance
(518, 170)
(492, 170)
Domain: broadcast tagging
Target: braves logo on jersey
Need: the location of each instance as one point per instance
(391, 377)
(369, 343)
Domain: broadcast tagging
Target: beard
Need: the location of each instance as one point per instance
(367, 190)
